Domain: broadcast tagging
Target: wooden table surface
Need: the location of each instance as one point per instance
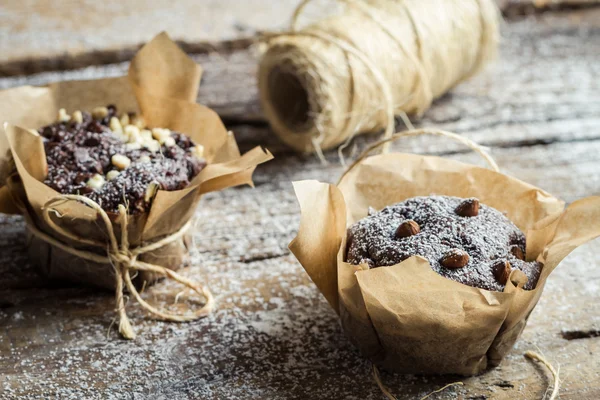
(273, 336)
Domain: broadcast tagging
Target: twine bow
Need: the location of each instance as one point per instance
(123, 259)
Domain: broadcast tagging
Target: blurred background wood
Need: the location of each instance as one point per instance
(273, 335)
(41, 35)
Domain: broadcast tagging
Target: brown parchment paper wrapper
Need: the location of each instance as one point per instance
(406, 317)
(162, 85)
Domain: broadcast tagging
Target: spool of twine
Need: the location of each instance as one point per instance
(351, 73)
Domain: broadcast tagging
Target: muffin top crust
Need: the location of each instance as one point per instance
(115, 159)
(462, 239)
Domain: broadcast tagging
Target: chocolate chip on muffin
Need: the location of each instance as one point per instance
(116, 159)
(462, 239)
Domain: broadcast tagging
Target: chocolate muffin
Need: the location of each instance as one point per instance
(462, 239)
(115, 159)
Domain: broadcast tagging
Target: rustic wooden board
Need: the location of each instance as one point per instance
(513, 8)
(273, 335)
(83, 31)
(36, 35)
(542, 88)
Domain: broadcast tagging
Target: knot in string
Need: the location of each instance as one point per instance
(123, 258)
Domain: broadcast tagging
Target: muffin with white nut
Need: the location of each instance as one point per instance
(116, 159)
(108, 196)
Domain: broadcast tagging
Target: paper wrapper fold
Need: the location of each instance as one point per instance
(406, 317)
(162, 85)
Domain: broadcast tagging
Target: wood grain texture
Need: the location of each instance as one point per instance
(543, 87)
(273, 335)
(37, 35)
(42, 30)
(516, 8)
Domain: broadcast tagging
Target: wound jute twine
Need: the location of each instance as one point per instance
(351, 73)
(483, 152)
(123, 258)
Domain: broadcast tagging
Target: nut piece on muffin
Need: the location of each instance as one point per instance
(116, 159)
(462, 239)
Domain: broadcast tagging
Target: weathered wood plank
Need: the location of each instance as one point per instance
(273, 335)
(543, 88)
(515, 8)
(78, 32)
(37, 36)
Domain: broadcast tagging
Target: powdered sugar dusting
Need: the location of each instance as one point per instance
(82, 151)
(272, 334)
(486, 238)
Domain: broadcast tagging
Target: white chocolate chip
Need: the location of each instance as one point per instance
(158, 132)
(120, 161)
(146, 135)
(63, 116)
(152, 145)
(115, 126)
(112, 174)
(132, 130)
(99, 112)
(124, 119)
(151, 191)
(77, 117)
(133, 146)
(134, 136)
(145, 159)
(117, 129)
(169, 142)
(122, 137)
(198, 151)
(96, 182)
(161, 134)
(138, 121)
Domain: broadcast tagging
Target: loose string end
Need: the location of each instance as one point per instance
(125, 328)
(532, 355)
(319, 151)
(385, 391)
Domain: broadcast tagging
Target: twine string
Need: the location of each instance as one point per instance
(418, 132)
(422, 85)
(386, 392)
(342, 99)
(529, 354)
(376, 72)
(296, 15)
(381, 386)
(369, 12)
(532, 355)
(123, 259)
